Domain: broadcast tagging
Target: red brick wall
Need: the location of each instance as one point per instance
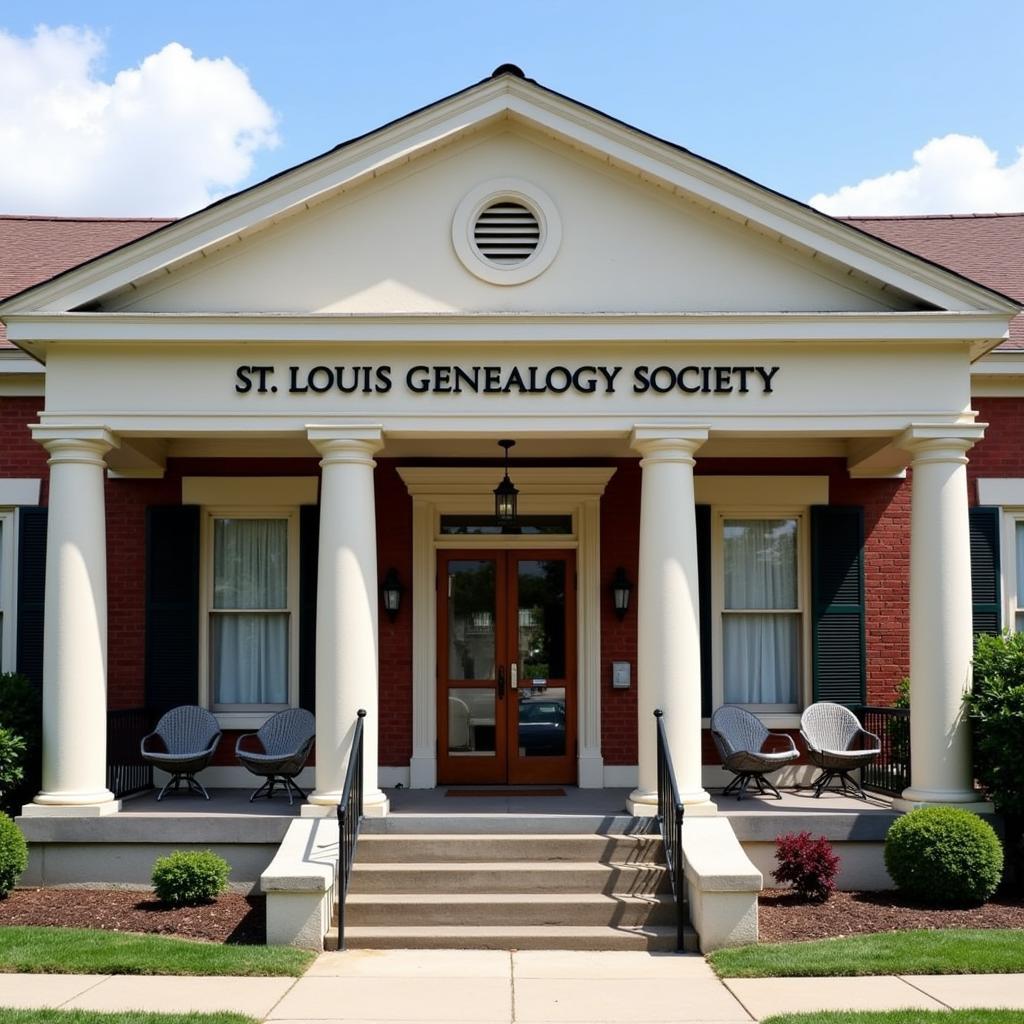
(20, 456)
(394, 550)
(620, 531)
(1001, 451)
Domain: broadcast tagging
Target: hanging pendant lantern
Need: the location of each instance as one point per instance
(505, 494)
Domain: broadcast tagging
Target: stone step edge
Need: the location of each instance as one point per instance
(508, 897)
(518, 867)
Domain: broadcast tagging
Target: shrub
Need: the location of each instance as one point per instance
(12, 754)
(21, 711)
(13, 854)
(809, 865)
(996, 710)
(944, 855)
(187, 878)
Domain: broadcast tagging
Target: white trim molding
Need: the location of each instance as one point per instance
(541, 491)
(1001, 491)
(19, 492)
(761, 492)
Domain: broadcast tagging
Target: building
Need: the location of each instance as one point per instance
(768, 423)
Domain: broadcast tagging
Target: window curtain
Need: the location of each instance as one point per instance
(761, 653)
(1019, 626)
(249, 645)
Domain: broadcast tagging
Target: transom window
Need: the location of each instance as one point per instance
(761, 608)
(251, 571)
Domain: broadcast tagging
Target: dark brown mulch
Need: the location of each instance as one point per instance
(231, 918)
(784, 917)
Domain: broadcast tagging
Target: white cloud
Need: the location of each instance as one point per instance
(954, 174)
(163, 138)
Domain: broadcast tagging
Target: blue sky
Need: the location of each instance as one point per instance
(804, 97)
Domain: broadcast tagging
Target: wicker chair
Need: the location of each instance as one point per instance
(837, 745)
(285, 740)
(189, 735)
(742, 740)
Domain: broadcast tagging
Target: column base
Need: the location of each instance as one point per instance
(590, 771)
(968, 800)
(323, 805)
(643, 803)
(422, 771)
(46, 805)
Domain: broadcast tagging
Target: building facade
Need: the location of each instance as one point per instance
(748, 439)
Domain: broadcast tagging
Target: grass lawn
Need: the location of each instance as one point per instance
(89, 951)
(121, 1017)
(948, 951)
(895, 1017)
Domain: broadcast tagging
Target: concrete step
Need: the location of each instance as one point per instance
(510, 877)
(523, 824)
(512, 937)
(508, 909)
(441, 849)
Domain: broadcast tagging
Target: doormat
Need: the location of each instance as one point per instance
(505, 792)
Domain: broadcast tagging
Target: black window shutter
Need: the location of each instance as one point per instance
(985, 583)
(31, 591)
(172, 606)
(309, 555)
(704, 596)
(837, 604)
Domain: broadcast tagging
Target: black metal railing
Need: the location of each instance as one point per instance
(127, 772)
(890, 771)
(350, 815)
(670, 821)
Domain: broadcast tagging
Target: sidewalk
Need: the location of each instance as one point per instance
(486, 987)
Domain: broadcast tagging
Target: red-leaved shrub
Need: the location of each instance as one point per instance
(809, 865)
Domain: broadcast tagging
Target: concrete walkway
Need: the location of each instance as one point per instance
(492, 987)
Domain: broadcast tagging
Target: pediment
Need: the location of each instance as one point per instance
(645, 228)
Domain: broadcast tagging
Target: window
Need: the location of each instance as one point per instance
(251, 565)
(8, 587)
(1014, 571)
(760, 654)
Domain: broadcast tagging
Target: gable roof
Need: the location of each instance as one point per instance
(35, 249)
(508, 95)
(987, 247)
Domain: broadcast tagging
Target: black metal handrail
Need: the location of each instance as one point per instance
(889, 772)
(670, 821)
(127, 772)
(350, 815)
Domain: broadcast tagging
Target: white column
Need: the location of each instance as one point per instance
(940, 616)
(668, 615)
(75, 628)
(346, 614)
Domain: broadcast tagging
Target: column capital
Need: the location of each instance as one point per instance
(940, 442)
(352, 444)
(85, 445)
(667, 442)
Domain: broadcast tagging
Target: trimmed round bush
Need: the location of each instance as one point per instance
(13, 854)
(185, 878)
(944, 855)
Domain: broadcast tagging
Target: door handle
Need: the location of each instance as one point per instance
(514, 671)
(501, 682)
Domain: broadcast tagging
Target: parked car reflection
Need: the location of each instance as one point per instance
(542, 726)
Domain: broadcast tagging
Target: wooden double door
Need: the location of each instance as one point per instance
(506, 666)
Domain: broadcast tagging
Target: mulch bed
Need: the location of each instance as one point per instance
(784, 917)
(231, 918)
(242, 919)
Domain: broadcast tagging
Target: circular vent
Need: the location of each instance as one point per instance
(506, 233)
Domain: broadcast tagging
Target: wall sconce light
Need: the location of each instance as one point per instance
(505, 494)
(391, 593)
(621, 589)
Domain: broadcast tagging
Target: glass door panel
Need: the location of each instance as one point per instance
(471, 681)
(543, 628)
